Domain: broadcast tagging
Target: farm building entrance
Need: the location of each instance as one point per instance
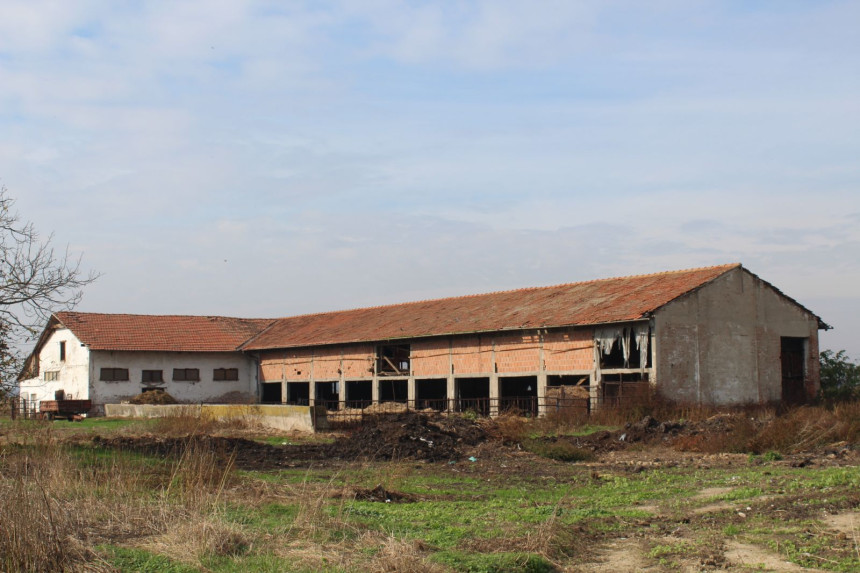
(271, 393)
(473, 394)
(298, 393)
(359, 393)
(519, 394)
(793, 351)
(327, 394)
(393, 391)
(432, 393)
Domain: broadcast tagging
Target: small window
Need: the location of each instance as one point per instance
(151, 376)
(62, 351)
(114, 375)
(225, 374)
(52, 375)
(186, 374)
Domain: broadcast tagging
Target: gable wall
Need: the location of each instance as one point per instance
(73, 373)
(721, 344)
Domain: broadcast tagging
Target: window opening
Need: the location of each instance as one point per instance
(113, 375)
(225, 374)
(151, 376)
(186, 374)
(52, 375)
(624, 346)
(62, 351)
(393, 360)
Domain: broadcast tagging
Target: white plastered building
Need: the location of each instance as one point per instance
(109, 358)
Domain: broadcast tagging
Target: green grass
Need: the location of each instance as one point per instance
(131, 560)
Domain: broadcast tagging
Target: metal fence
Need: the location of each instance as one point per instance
(354, 413)
(19, 408)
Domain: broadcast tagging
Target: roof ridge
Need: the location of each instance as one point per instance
(68, 312)
(727, 266)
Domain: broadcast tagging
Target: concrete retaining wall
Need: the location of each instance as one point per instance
(279, 417)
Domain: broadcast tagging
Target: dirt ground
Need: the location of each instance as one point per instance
(456, 444)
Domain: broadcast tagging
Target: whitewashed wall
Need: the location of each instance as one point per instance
(206, 390)
(72, 373)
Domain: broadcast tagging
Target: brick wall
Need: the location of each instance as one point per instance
(569, 350)
(326, 363)
(472, 355)
(518, 352)
(358, 360)
(430, 358)
(514, 352)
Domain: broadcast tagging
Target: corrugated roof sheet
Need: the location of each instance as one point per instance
(593, 302)
(168, 333)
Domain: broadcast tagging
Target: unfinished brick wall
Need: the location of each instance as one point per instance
(518, 352)
(272, 366)
(431, 358)
(472, 355)
(326, 363)
(358, 360)
(569, 350)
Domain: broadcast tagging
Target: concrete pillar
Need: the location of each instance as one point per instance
(494, 394)
(541, 377)
(411, 392)
(283, 392)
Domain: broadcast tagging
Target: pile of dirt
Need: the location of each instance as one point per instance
(153, 397)
(413, 436)
(382, 495)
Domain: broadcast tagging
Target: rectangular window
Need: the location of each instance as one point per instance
(186, 374)
(114, 375)
(62, 351)
(52, 375)
(393, 360)
(225, 374)
(151, 376)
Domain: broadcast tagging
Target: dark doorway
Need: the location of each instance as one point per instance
(568, 396)
(327, 395)
(473, 394)
(298, 393)
(518, 394)
(431, 393)
(393, 391)
(271, 393)
(793, 359)
(359, 394)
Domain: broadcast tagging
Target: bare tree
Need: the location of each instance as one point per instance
(35, 280)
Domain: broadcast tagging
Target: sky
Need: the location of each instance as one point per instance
(267, 159)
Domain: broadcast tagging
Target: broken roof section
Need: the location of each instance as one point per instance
(593, 302)
(160, 333)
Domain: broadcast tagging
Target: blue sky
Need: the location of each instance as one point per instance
(275, 158)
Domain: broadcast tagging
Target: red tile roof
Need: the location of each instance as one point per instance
(166, 333)
(593, 302)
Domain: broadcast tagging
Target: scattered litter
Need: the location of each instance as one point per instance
(473, 459)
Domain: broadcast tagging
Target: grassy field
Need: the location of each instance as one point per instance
(72, 503)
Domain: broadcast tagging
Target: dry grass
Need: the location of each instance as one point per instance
(57, 502)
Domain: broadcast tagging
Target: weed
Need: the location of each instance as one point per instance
(560, 450)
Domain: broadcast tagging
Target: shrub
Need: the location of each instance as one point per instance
(840, 378)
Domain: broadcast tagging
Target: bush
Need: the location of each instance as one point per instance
(840, 378)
